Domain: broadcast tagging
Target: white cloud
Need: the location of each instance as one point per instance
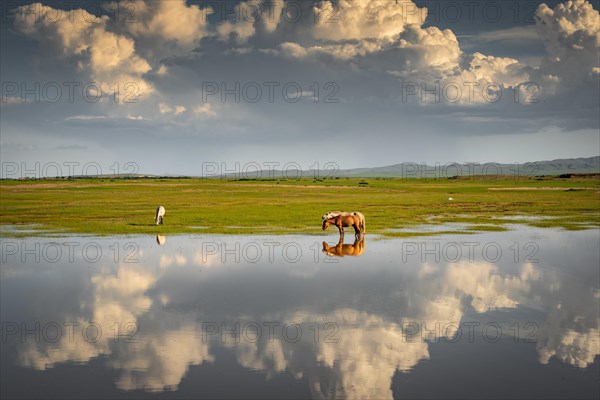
(162, 70)
(574, 348)
(85, 40)
(571, 34)
(369, 48)
(355, 19)
(85, 117)
(368, 354)
(342, 51)
(160, 361)
(270, 358)
(204, 109)
(426, 56)
(502, 70)
(164, 108)
(164, 28)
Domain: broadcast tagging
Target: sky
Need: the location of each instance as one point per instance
(179, 87)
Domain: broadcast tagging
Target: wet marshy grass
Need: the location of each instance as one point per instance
(280, 206)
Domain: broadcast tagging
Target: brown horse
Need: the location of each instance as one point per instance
(341, 249)
(345, 220)
(360, 215)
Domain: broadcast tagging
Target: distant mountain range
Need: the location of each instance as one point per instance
(564, 166)
(536, 168)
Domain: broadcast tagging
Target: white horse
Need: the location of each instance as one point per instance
(160, 213)
(333, 214)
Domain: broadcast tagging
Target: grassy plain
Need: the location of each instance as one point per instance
(393, 207)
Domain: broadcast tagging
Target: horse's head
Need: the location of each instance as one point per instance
(333, 250)
(326, 223)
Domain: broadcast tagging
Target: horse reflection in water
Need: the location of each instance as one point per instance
(341, 249)
(160, 239)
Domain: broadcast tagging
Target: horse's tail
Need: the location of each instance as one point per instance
(361, 222)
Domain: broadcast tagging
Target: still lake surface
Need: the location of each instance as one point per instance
(496, 314)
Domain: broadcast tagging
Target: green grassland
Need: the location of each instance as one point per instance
(393, 207)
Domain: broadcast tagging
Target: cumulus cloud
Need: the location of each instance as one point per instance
(146, 295)
(574, 348)
(271, 357)
(368, 355)
(85, 41)
(118, 299)
(361, 361)
(350, 19)
(124, 52)
(388, 38)
(377, 39)
(163, 28)
(121, 298)
(505, 71)
(570, 332)
(157, 362)
(45, 357)
(486, 288)
(160, 361)
(384, 36)
(571, 34)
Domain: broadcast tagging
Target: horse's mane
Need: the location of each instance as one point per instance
(333, 214)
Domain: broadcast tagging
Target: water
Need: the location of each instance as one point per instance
(494, 314)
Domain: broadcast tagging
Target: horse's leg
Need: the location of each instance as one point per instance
(341, 228)
(356, 230)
